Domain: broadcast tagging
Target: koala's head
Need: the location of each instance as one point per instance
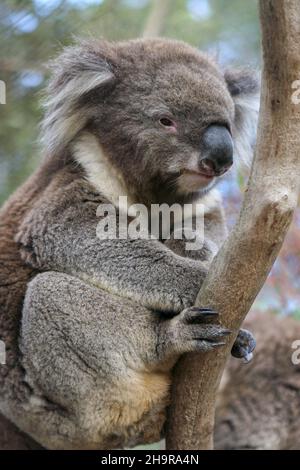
(163, 114)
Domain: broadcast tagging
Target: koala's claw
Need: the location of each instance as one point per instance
(195, 329)
(244, 346)
(199, 315)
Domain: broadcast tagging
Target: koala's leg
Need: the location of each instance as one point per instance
(11, 438)
(82, 357)
(98, 365)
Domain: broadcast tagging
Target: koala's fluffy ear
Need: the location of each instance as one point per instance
(79, 71)
(244, 87)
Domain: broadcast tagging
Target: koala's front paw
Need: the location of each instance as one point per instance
(194, 329)
(244, 345)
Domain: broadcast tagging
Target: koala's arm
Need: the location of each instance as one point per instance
(60, 234)
(215, 232)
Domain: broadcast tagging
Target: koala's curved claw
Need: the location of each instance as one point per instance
(244, 346)
(194, 329)
(217, 345)
(199, 315)
(248, 358)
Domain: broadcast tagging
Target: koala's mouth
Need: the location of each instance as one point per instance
(200, 175)
(205, 172)
(197, 178)
(191, 181)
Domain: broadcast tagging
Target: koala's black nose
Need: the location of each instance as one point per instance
(217, 150)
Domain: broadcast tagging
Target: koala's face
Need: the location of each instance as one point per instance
(168, 122)
(163, 113)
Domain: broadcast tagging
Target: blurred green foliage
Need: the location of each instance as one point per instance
(32, 31)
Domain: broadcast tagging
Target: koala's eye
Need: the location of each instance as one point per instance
(167, 122)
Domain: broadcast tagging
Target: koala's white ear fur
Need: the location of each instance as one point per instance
(77, 72)
(244, 87)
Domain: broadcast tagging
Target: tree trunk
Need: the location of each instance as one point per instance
(156, 21)
(243, 263)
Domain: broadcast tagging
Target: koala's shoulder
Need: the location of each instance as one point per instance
(67, 189)
(66, 199)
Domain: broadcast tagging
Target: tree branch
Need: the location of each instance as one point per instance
(243, 263)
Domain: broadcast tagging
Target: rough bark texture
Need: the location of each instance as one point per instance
(241, 267)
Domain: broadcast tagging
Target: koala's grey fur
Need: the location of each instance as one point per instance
(259, 403)
(89, 352)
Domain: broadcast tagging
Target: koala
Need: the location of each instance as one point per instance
(93, 327)
(258, 405)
